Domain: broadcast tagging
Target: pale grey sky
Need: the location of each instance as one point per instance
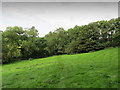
(49, 16)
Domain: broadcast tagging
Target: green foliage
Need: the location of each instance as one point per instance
(0, 48)
(19, 43)
(56, 41)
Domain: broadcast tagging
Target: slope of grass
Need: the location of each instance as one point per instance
(89, 70)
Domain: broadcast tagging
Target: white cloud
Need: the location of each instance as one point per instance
(49, 16)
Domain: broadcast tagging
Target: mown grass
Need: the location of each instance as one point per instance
(89, 70)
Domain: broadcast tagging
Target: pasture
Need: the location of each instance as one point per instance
(97, 69)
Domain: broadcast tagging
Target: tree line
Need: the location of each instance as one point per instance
(24, 43)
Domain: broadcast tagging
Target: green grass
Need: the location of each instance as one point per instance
(88, 70)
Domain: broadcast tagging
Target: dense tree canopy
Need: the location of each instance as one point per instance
(21, 44)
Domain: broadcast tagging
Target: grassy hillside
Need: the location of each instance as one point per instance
(89, 70)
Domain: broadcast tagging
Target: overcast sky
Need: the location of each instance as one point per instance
(49, 16)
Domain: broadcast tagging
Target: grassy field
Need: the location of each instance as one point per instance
(88, 70)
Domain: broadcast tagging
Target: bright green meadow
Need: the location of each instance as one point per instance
(97, 69)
